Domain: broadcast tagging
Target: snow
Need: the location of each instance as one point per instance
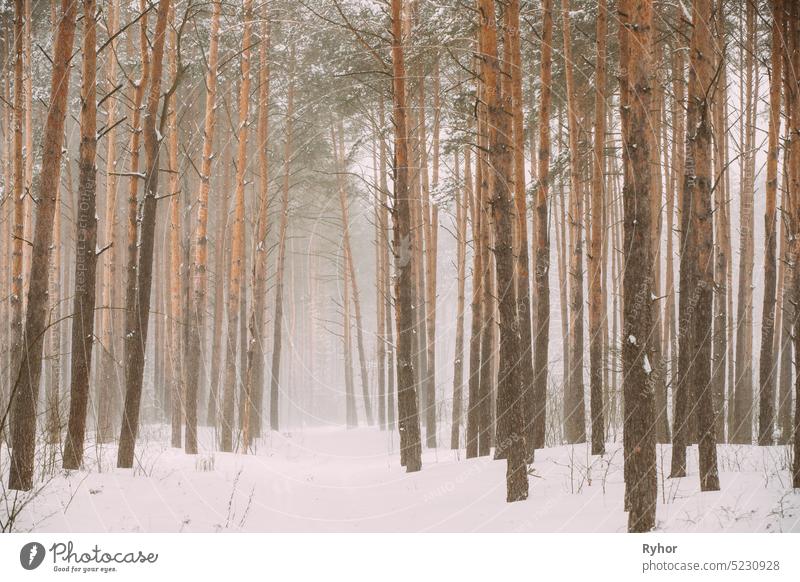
(335, 480)
(646, 365)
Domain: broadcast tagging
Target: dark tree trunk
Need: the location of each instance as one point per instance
(701, 78)
(542, 269)
(636, 77)
(766, 408)
(510, 441)
(85, 253)
(137, 334)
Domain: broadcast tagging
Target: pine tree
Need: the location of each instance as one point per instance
(135, 349)
(408, 419)
(25, 391)
(636, 78)
(86, 244)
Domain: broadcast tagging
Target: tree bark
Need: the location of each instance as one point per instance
(742, 429)
(85, 252)
(510, 428)
(574, 414)
(196, 363)
(387, 276)
(522, 268)
(701, 81)
(139, 88)
(137, 334)
(766, 408)
(108, 386)
(408, 418)
(463, 194)
(722, 362)
(25, 392)
(18, 227)
(596, 304)
(636, 77)
(542, 230)
(793, 99)
(254, 380)
(176, 322)
(238, 245)
(219, 289)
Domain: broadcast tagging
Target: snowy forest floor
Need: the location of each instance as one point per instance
(337, 480)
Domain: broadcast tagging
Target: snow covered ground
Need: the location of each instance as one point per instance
(334, 480)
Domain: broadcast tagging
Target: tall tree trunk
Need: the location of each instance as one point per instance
(237, 238)
(488, 321)
(426, 251)
(25, 392)
(387, 275)
(522, 270)
(463, 195)
(793, 99)
(351, 416)
(563, 278)
(53, 367)
(108, 386)
(380, 304)
(636, 77)
(659, 381)
(254, 380)
(701, 80)
(408, 419)
(596, 304)
(176, 322)
(85, 252)
(476, 331)
(722, 287)
(682, 391)
(785, 285)
(53, 378)
(510, 427)
(574, 414)
(742, 429)
(30, 155)
(196, 363)
(542, 230)
(137, 334)
(766, 408)
(139, 88)
(219, 289)
(18, 225)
